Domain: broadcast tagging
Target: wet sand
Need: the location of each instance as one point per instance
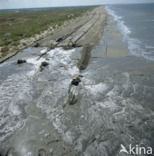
(79, 31)
(112, 42)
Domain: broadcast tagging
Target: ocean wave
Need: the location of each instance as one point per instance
(135, 46)
(120, 23)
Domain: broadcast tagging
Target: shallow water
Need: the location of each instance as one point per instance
(24, 88)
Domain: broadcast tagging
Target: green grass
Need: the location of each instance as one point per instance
(26, 23)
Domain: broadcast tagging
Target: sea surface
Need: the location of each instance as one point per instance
(136, 22)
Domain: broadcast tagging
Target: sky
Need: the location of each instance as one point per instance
(9, 4)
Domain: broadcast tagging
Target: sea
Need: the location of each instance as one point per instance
(136, 23)
(114, 103)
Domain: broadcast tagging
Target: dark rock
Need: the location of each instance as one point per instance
(21, 61)
(44, 64)
(59, 39)
(36, 45)
(76, 81)
(67, 47)
(74, 45)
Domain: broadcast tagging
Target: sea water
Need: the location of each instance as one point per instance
(136, 22)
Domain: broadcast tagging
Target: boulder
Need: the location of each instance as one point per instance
(76, 81)
(44, 64)
(20, 61)
(36, 45)
(59, 39)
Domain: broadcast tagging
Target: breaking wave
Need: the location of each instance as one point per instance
(135, 46)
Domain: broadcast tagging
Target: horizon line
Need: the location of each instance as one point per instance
(67, 6)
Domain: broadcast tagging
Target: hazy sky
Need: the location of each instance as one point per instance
(4, 4)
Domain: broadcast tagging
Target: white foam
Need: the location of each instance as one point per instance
(120, 23)
(14, 92)
(97, 88)
(43, 51)
(62, 58)
(36, 62)
(134, 46)
(68, 137)
(14, 109)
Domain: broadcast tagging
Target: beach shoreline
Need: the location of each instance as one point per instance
(49, 37)
(84, 99)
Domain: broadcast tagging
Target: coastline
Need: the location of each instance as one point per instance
(122, 87)
(116, 47)
(34, 40)
(113, 102)
(27, 81)
(83, 25)
(25, 43)
(112, 42)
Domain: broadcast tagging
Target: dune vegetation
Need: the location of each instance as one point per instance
(18, 24)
